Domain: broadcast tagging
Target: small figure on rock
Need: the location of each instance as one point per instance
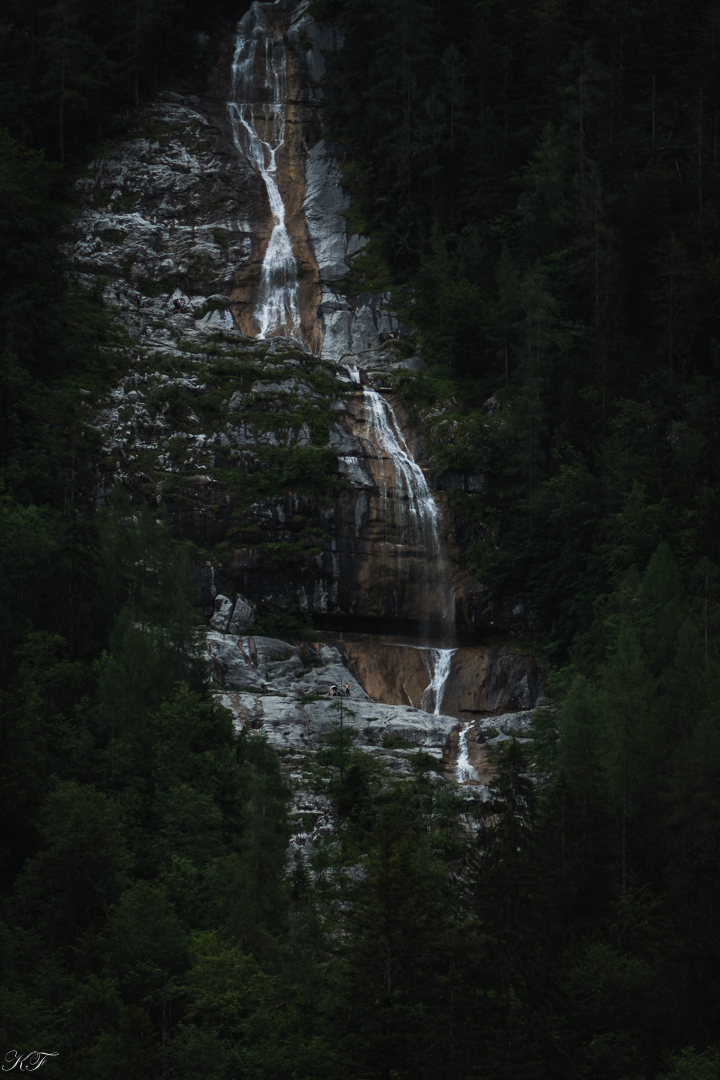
(334, 691)
(177, 306)
(347, 689)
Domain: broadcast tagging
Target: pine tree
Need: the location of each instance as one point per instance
(626, 709)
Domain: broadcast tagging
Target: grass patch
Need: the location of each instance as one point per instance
(303, 469)
(397, 742)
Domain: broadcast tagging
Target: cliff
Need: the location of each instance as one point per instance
(256, 409)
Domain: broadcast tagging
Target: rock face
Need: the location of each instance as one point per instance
(183, 203)
(481, 681)
(280, 691)
(173, 205)
(201, 434)
(294, 708)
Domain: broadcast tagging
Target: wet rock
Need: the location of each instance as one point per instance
(482, 679)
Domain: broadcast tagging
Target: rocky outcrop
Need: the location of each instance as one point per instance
(357, 325)
(200, 424)
(178, 205)
(482, 680)
(232, 617)
(283, 689)
(172, 205)
(279, 691)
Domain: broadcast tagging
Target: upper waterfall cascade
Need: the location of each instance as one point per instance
(257, 111)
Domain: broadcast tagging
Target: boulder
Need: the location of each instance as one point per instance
(231, 664)
(223, 611)
(243, 615)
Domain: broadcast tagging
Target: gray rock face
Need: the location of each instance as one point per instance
(243, 616)
(171, 204)
(223, 611)
(325, 207)
(509, 726)
(230, 663)
(176, 204)
(354, 325)
(288, 386)
(295, 710)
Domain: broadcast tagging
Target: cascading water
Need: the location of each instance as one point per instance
(258, 115)
(413, 513)
(464, 771)
(433, 697)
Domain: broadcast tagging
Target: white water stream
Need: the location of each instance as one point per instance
(258, 115)
(464, 771)
(432, 698)
(410, 506)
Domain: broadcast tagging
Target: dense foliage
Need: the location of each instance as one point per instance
(545, 176)
(69, 69)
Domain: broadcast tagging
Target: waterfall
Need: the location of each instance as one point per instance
(433, 696)
(411, 509)
(257, 114)
(464, 771)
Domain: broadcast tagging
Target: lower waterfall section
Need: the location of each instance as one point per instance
(432, 698)
(464, 769)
